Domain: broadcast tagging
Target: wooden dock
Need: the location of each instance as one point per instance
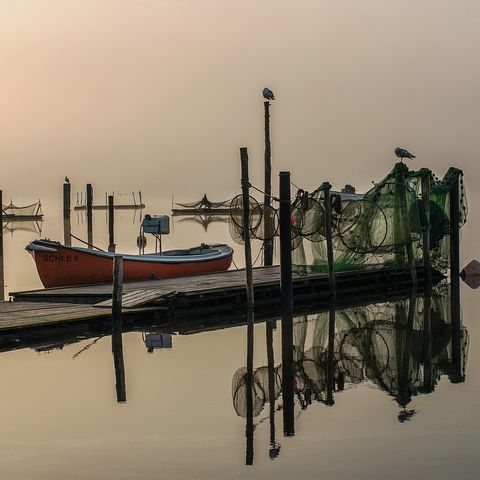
(209, 296)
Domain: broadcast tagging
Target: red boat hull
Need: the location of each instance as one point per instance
(71, 266)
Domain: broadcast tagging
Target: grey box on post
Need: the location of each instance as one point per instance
(156, 224)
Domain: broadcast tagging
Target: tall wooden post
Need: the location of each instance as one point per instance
(401, 181)
(90, 215)
(426, 234)
(2, 276)
(267, 244)
(286, 295)
(326, 187)
(457, 374)
(111, 220)
(250, 303)
(117, 289)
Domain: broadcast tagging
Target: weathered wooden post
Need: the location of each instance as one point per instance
(250, 303)
(67, 228)
(90, 215)
(268, 243)
(111, 220)
(2, 276)
(286, 295)
(401, 181)
(457, 374)
(425, 183)
(117, 289)
(326, 187)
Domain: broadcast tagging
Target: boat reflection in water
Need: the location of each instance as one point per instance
(399, 347)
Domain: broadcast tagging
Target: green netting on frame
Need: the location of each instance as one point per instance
(384, 226)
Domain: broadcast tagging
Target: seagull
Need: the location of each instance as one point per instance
(67, 180)
(268, 94)
(401, 153)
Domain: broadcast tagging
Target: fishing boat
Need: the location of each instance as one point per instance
(60, 265)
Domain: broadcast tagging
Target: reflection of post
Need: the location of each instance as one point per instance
(67, 228)
(427, 342)
(117, 350)
(250, 302)
(286, 295)
(2, 278)
(89, 215)
(331, 356)
(271, 382)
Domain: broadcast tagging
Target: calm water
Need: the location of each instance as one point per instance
(184, 414)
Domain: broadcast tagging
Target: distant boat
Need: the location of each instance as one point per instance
(59, 265)
(27, 212)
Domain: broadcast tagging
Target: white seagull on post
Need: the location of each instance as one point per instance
(268, 94)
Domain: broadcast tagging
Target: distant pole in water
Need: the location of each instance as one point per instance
(425, 183)
(250, 304)
(2, 277)
(329, 242)
(67, 228)
(286, 299)
(268, 243)
(90, 215)
(111, 220)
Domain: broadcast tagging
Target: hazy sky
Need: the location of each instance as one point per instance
(159, 95)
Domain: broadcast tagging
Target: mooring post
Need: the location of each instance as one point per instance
(401, 179)
(268, 243)
(67, 228)
(2, 276)
(90, 215)
(326, 187)
(286, 296)
(425, 183)
(111, 220)
(117, 289)
(457, 374)
(245, 183)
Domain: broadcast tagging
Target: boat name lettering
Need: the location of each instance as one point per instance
(60, 258)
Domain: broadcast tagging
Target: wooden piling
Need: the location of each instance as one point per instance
(117, 289)
(328, 238)
(286, 299)
(268, 243)
(2, 276)
(90, 215)
(455, 315)
(111, 220)
(250, 302)
(67, 227)
(425, 183)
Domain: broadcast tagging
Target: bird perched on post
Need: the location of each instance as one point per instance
(67, 180)
(268, 94)
(401, 153)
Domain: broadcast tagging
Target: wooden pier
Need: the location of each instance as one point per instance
(209, 296)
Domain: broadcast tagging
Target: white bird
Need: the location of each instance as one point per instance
(268, 94)
(67, 180)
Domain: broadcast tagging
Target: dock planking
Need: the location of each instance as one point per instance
(209, 296)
